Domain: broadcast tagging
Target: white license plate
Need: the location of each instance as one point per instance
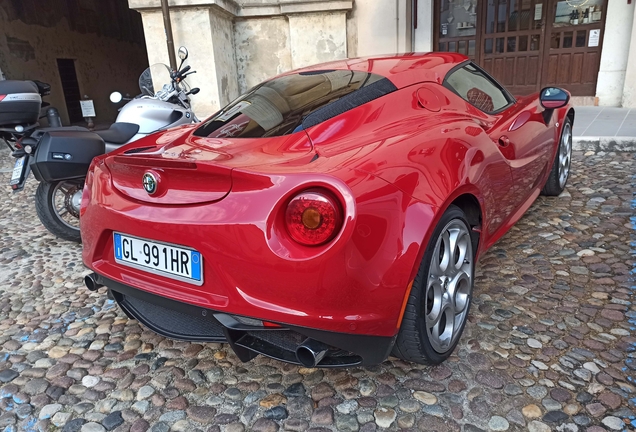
(16, 176)
(168, 260)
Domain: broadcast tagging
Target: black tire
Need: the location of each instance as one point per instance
(555, 184)
(413, 343)
(52, 221)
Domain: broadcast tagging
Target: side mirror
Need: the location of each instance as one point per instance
(116, 97)
(553, 97)
(183, 53)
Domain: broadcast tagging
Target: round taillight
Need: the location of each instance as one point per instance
(313, 218)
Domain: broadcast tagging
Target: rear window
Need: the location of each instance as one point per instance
(294, 102)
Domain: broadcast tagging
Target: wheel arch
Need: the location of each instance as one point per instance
(471, 207)
(468, 200)
(570, 114)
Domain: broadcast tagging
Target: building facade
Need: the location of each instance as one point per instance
(585, 46)
(88, 47)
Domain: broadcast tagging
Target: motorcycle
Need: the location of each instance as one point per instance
(59, 157)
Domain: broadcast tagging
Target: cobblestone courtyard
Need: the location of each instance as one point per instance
(548, 345)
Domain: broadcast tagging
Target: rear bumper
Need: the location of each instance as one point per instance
(246, 336)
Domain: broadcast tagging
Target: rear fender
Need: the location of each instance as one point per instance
(426, 222)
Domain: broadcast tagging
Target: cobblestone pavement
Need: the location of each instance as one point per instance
(548, 345)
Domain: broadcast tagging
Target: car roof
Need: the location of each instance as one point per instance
(401, 69)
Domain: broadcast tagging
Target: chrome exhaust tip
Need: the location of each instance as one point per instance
(311, 352)
(92, 282)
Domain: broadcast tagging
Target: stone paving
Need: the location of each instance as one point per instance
(548, 345)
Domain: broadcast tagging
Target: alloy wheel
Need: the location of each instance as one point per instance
(565, 154)
(449, 286)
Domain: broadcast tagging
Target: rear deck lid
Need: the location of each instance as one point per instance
(177, 168)
(154, 178)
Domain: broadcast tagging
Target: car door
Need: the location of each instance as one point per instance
(527, 142)
(518, 127)
(483, 101)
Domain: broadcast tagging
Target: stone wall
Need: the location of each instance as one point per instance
(105, 59)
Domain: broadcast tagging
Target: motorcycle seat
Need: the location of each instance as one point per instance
(119, 133)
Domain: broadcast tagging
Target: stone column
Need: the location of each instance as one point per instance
(629, 90)
(611, 74)
(207, 31)
(424, 32)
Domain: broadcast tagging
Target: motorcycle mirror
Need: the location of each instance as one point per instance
(116, 97)
(183, 53)
(195, 90)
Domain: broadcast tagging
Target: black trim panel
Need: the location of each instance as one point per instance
(347, 349)
(353, 100)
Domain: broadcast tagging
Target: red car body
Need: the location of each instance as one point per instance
(394, 164)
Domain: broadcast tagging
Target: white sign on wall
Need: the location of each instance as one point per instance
(538, 11)
(88, 109)
(595, 35)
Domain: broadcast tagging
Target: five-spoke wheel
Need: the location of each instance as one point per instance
(558, 177)
(439, 300)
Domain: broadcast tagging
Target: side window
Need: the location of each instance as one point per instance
(477, 88)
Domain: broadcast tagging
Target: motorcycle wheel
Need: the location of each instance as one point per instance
(57, 205)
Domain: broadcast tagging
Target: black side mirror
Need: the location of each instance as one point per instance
(553, 98)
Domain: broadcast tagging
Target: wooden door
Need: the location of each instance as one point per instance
(573, 51)
(457, 27)
(513, 34)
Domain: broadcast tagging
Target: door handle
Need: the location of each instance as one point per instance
(503, 141)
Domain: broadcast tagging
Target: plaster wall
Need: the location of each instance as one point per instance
(317, 38)
(262, 49)
(616, 47)
(377, 25)
(102, 64)
(224, 58)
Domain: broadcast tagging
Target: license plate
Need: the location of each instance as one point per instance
(18, 169)
(164, 259)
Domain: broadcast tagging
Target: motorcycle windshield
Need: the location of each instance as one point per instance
(154, 78)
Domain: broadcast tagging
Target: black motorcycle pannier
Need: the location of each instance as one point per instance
(65, 155)
(20, 103)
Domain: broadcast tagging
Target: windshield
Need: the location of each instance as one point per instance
(283, 105)
(154, 78)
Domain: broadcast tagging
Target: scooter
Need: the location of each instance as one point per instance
(59, 157)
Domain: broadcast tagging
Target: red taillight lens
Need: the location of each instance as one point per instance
(313, 218)
(2, 97)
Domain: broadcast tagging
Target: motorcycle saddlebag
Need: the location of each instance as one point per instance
(20, 103)
(65, 154)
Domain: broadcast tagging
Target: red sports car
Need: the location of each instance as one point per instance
(330, 216)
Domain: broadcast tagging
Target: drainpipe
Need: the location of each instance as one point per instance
(407, 19)
(168, 28)
(397, 26)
